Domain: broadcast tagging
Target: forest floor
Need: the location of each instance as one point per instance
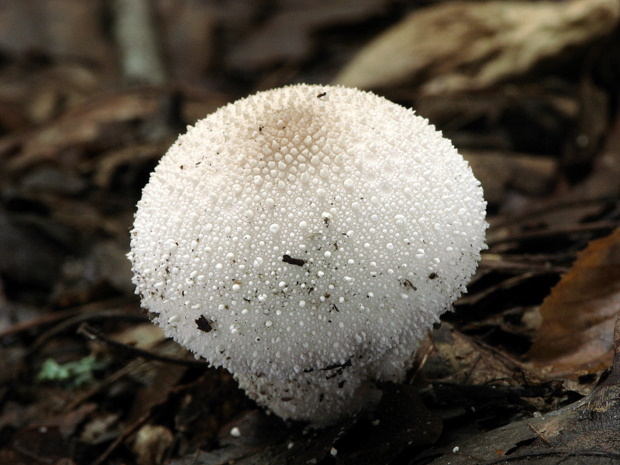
(92, 94)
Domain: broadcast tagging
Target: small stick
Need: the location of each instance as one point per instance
(551, 232)
(95, 335)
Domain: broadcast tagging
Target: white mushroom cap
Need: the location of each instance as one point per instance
(306, 239)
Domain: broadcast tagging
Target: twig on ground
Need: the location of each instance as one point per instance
(95, 335)
(552, 232)
(80, 318)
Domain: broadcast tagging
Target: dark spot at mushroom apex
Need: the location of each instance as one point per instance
(204, 324)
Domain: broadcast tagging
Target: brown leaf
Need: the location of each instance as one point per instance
(456, 46)
(576, 334)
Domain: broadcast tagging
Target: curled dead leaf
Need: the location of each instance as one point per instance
(577, 331)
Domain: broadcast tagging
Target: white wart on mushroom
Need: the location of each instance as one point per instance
(306, 239)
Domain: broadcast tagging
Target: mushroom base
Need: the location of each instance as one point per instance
(319, 404)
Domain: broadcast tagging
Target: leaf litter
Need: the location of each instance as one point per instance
(494, 384)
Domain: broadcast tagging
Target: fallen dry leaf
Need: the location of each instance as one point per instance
(578, 317)
(582, 432)
(482, 43)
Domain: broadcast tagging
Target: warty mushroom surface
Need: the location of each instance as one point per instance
(306, 239)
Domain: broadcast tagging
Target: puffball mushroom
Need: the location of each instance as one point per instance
(306, 239)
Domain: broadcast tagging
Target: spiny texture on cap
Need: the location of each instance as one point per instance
(306, 239)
